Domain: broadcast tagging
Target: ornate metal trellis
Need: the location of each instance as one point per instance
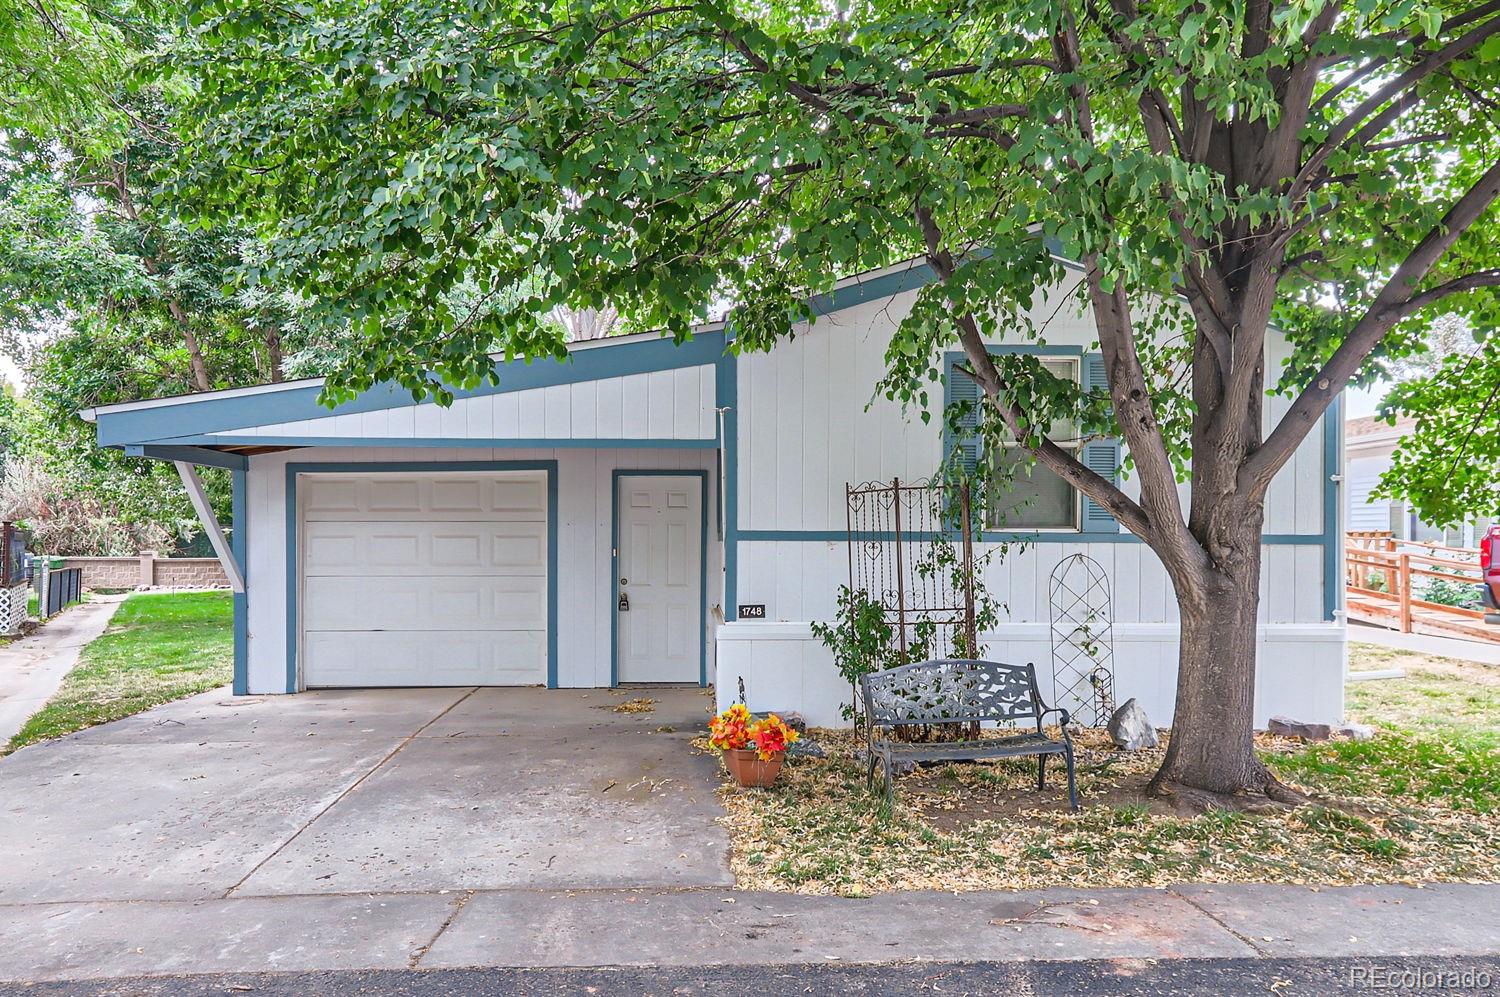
(898, 549)
(1083, 643)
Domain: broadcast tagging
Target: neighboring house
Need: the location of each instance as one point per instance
(1368, 445)
(599, 522)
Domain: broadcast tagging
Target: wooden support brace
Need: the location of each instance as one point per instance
(199, 497)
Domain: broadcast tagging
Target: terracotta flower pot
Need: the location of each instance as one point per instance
(748, 769)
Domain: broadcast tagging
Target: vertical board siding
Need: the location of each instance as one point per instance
(810, 421)
(669, 405)
(585, 568)
(797, 580)
(1300, 671)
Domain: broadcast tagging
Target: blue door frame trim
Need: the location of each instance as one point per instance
(385, 467)
(239, 544)
(208, 415)
(614, 563)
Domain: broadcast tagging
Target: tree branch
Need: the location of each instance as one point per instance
(1392, 91)
(1468, 282)
(1394, 302)
(987, 375)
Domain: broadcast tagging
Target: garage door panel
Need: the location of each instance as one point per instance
(433, 578)
(339, 603)
(519, 496)
(426, 658)
(425, 548)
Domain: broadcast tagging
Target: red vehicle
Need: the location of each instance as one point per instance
(1489, 570)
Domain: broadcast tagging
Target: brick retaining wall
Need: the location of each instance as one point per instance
(148, 570)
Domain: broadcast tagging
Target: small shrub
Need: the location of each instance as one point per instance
(1464, 595)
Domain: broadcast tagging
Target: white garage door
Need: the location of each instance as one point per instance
(424, 579)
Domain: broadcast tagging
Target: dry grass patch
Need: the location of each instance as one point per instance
(1419, 802)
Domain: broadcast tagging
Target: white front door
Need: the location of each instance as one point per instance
(432, 578)
(659, 601)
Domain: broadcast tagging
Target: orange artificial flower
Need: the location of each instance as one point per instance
(730, 729)
(771, 736)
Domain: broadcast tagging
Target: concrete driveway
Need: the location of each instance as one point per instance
(360, 791)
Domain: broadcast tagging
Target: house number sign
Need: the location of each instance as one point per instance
(752, 611)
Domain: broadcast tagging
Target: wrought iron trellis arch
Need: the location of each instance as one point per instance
(898, 532)
(1083, 643)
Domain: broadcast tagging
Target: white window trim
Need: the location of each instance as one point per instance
(1074, 446)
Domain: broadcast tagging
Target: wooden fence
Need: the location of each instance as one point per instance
(1384, 578)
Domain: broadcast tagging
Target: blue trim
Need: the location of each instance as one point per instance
(193, 455)
(614, 563)
(207, 413)
(1006, 536)
(210, 414)
(1333, 538)
(910, 279)
(239, 545)
(229, 439)
(334, 467)
(727, 396)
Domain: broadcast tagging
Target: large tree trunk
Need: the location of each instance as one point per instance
(1211, 756)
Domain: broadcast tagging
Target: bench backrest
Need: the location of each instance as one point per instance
(952, 690)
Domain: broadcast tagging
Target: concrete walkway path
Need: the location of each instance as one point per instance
(427, 829)
(1480, 651)
(712, 927)
(32, 668)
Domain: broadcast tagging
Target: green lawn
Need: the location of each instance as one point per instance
(158, 648)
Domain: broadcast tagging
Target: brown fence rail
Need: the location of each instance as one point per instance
(1385, 579)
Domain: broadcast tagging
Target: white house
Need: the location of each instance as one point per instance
(602, 521)
(1369, 444)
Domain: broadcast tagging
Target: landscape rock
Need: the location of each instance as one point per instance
(1130, 728)
(791, 718)
(1287, 727)
(1355, 732)
(806, 748)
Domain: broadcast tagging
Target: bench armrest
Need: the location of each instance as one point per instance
(1064, 717)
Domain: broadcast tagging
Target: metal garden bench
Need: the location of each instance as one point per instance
(953, 691)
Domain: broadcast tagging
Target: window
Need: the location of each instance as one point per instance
(1025, 493)
(1036, 499)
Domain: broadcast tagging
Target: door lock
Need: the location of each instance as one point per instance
(624, 603)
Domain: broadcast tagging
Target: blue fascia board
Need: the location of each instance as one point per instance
(369, 467)
(529, 443)
(198, 416)
(193, 455)
(208, 415)
(913, 278)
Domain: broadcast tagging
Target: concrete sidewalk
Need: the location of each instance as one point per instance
(1479, 651)
(32, 668)
(722, 927)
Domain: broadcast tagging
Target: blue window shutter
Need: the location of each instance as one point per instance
(1099, 456)
(963, 388)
